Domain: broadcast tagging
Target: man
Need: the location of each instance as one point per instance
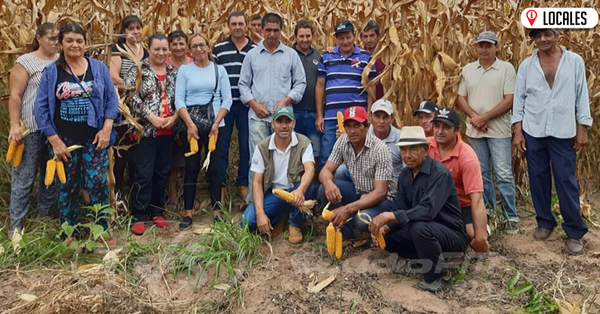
(425, 114)
(272, 76)
(340, 73)
(285, 161)
(382, 116)
(426, 221)
(370, 38)
(447, 148)
(370, 165)
(485, 94)
(231, 53)
(304, 110)
(551, 115)
(256, 28)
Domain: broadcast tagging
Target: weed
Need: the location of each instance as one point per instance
(537, 302)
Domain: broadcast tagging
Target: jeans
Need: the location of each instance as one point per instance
(274, 207)
(496, 153)
(342, 173)
(259, 130)
(540, 154)
(327, 141)
(349, 195)
(305, 125)
(238, 114)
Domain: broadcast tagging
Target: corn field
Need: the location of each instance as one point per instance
(424, 43)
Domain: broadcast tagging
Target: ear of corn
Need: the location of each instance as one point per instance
(340, 122)
(60, 172)
(338, 244)
(193, 145)
(381, 240)
(212, 143)
(18, 155)
(284, 195)
(10, 153)
(330, 236)
(327, 214)
(50, 169)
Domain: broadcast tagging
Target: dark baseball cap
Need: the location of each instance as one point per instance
(344, 26)
(535, 31)
(448, 116)
(426, 106)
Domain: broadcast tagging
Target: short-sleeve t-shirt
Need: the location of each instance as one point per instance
(73, 105)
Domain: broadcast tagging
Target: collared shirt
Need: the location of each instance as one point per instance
(310, 62)
(343, 75)
(391, 140)
(484, 89)
(281, 161)
(372, 163)
(464, 166)
(554, 111)
(269, 77)
(227, 55)
(428, 196)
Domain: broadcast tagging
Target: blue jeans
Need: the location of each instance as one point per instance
(238, 114)
(496, 153)
(258, 130)
(327, 141)
(540, 154)
(274, 207)
(349, 195)
(305, 125)
(342, 173)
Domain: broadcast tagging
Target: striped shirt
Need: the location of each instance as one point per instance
(343, 87)
(227, 55)
(34, 67)
(126, 64)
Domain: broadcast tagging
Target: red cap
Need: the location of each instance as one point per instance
(356, 113)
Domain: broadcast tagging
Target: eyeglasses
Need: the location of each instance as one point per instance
(198, 46)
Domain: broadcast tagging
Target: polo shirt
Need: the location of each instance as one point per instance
(391, 140)
(281, 161)
(484, 89)
(310, 62)
(464, 167)
(226, 54)
(372, 163)
(343, 74)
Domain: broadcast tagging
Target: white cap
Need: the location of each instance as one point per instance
(383, 105)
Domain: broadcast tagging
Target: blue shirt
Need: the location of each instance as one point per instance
(270, 77)
(390, 141)
(343, 86)
(554, 111)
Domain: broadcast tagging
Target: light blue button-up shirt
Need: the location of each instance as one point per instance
(269, 77)
(391, 141)
(554, 111)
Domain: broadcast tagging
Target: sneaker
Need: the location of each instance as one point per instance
(160, 222)
(295, 235)
(186, 223)
(574, 246)
(436, 285)
(511, 227)
(541, 233)
(138, 228)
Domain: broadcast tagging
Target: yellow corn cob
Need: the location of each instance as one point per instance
(50, 169)
(284, 195)
(60, 172)
(193, 145)
(327, 214)
(18, 155)
(330, 236)
(338, 244)
(340, 122)
(212, 143)
(145, 31)
(381, 240)
(12, 148)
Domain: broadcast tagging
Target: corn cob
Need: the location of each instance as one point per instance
(338, 244)
(212, 143)
(18, 155)
(60, 172)
(381, 240)
(12, 148)
(193, 145)
(340, 122)
(50, 169)
(330, 236)
(284, 195)
(327, 214)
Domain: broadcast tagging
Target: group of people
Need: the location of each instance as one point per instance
(424, 188)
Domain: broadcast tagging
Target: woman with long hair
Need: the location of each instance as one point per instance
(24, 81)
(154, 106)
(202, 99)
(77, 104)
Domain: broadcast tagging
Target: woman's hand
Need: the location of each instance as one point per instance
(102, 139)
(169, 122)
(59, 148)
(192, 131)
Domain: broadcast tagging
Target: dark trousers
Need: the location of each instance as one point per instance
(238, 114)
(193, 164)
(152, 164)
(541, 154)
(122, 158)
(427, 241)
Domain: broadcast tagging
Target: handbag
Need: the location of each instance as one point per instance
(202, 115)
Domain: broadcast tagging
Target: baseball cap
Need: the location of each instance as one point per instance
(487, 36)
(448, 116)
(344, 26)
(356, 113)
(283, 111)
(383, 105)
(534, 31)
(426, 106)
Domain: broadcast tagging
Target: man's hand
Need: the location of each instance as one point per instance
(320, 124)
(340, 215)
(379, 222)
(261, 110)
(478, 121)
(263, 223)
(332, 192)
(519, 140)
(480, 244)
(338, 132)
(581, 138)
(280, 103)
(298, 198)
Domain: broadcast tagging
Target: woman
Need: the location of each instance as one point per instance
(24, 81)
(178, 46)
(154, 106)
(199, 101)
(77, 104)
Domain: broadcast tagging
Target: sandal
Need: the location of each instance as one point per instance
(172, 206)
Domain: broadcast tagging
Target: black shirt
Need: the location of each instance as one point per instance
(430, 196)
(310, 62)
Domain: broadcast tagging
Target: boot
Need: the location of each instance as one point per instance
(295, 235)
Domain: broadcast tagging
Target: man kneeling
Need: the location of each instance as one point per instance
(284, 161)
(427, 220)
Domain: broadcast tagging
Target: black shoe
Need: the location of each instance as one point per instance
(185, 224)
(436, 285)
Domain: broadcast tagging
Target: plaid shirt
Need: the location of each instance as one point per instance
(372, 163)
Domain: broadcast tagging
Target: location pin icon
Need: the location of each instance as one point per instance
(531, 16)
